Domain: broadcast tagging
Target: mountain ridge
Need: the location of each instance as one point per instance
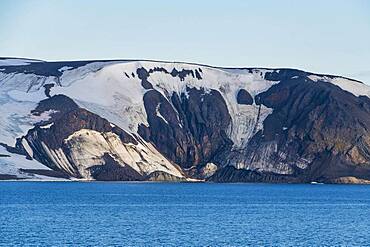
(152, 120)
(180, 62)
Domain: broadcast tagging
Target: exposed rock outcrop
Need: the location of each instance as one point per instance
(244, 98)
(189, 129)
(85, 145)
(317, 131)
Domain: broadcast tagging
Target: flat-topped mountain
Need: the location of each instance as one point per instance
(135, 120)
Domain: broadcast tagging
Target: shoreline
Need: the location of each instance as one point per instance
(170, 182)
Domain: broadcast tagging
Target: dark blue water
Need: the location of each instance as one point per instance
(174, 214)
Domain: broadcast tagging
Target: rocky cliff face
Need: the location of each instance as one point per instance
(143, 120)
(190, 129)
(316, 132)
(85, 145)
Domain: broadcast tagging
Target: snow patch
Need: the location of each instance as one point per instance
(47, 126)
(354, 87)
(44, 116)
(12, 165)
(20, 96)
(16, 62)
(159, 114)
(64, 68)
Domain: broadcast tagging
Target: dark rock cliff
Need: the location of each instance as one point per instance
(188, 129)
(320, 132)
(67, 118)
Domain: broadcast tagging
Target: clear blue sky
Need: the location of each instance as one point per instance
(323, 36)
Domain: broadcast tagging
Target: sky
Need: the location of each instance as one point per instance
(331, 37)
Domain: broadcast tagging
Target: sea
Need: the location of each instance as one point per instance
(183, 214)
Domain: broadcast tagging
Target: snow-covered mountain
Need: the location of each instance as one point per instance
(149, 120)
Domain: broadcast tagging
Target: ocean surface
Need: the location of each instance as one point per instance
(183, 214)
